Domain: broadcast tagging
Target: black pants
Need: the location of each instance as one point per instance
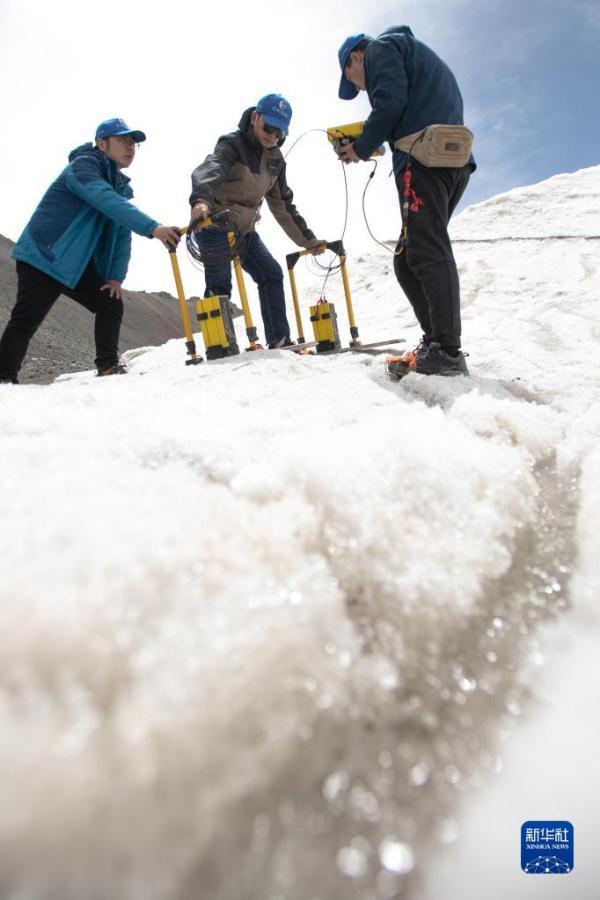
(426, 269)
(36, 294)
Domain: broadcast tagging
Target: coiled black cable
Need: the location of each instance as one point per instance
(202, 255)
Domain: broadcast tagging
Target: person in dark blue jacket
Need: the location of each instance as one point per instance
(409, 88)
(78, 243)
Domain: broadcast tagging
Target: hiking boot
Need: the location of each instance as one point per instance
(431, 359)
(5, 380)
(117, 369)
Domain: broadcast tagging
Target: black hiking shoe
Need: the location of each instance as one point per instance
(4, 379)
(431, 359)
(117, 369)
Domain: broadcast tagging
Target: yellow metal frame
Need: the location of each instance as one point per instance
(185, 316)
(336, 247)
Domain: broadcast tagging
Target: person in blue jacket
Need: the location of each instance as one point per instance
(78, 243)
(410, 87)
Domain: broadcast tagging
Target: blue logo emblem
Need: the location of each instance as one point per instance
(547, 848)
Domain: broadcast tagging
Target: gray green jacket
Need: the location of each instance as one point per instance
(239, 174)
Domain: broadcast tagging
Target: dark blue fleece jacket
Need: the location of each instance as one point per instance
(409, 87)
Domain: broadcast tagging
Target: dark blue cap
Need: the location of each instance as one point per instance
(116, 127)
(347, 90)
(276, 111)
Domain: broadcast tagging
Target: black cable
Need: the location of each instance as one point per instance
(364, 212)
(201, 255)
(328, 268)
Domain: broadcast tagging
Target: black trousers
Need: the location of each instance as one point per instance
(426, 269)
(36, 294)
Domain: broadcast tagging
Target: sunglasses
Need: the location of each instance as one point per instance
(270, 129)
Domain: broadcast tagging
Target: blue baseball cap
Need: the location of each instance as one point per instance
(116, 127)
(347, 90)
(276, 111)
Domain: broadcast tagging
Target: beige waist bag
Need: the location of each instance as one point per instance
(439, 145)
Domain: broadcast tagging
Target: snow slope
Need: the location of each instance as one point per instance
(267, 623)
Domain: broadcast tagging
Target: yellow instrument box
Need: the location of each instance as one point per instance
(216, 325)
(324, 321)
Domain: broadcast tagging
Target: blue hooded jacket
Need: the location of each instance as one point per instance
(84, 215)
(409, 87)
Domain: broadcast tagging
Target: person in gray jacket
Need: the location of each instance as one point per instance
(245, 168)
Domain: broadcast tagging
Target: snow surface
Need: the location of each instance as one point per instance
(267, 623)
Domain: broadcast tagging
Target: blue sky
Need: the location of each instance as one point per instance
(529, 72)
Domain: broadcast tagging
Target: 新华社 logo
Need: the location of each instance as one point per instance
(547, 847)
